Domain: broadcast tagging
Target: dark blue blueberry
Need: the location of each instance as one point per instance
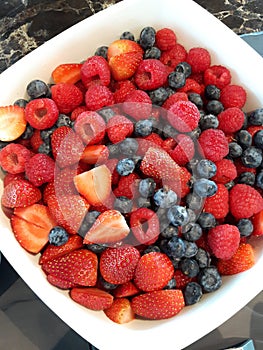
(208, 121)
(258, 139)
(169, 231)
(165, 198)
(259, 179)
(192, 293)
(185, 68)
(245, 227)
(107, 113)
(63, 120)
(203, 258)
(45, 148)
(189, 267)
(244, 138)
(147, 37)
(150, 249)
(175, 248)
(192, 231)
(209, 279)
(147, 187)
(235, 150)
(230, 184)
(102, 51)
(113, 150)
(206, 220)
(152, 52)
(252, 157)
(143, 202)
(194, 134)
(212, 92)
(194, 201)
(3, 144)
(143, 127)
(37, 88)
(206, 168)
(107, 285)
(127, 35)
(28, 132)
(171, 284)
(196, 99)
(46, 134)
(176, 80)
(128, 146)
(96, 248)
(137, 161)
(158, 96)
(125, 166)
(21, 102)
(192, 164)
(204, 187)
(58, 236)
(247, 178)
(177, 215)
(214, 107)
(191, 249)
(256, 117)
(123, 204)
(169, 131)
(88, 221)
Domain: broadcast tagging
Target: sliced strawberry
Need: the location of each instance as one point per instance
(145, 226)
(66, 73)
(95, 154)
(59, 282)
(94, 184)
(31, 226)
(127, 289)
(158, 305)
(92, 298)
(110, 227)
(78, 267)
(122, 46)
(12, 122)
(120, 311)
(124, 66)
(257, 221)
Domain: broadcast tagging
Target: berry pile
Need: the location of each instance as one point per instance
(136, 175)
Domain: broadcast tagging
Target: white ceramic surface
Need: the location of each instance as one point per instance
(194, 27)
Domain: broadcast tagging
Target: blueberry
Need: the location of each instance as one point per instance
(165, 198)
(258, 139)
(245, 227)
(147, 37)
(206, 220)
(96, 248)
(203, 258)
(252, 157)
(214, 107)
(102, 51)
(191, 249)
(189, 267)
(177, 215)
(125, 166)
(113, 150)
(21, 102)
(87, 222)
(235, 150)
(158, 96)
(244, 138)
(175, 248)
(169, 231)
(194, 134)
(143, 202)
(212, 92)
(123, 204)
(256, 117)
(128, 146)
(191, 215)
(176, 80)
(194, 201)
(196, 99)
(58, 236)
(107, 113)
(45, 148)
(107, 285)
(192, 231)
(204, 188)
(63, 120)
(208, 121)
(127, 35)
(169, 131)
(209, 279)
(28, 132)
(206, 168)
(171, 284)
(247, 178)
(45, 134)
(185, 68)
(150, 249)
(143, 127)
(259, 179)
(152, 52)
(37, 88)
(192, 293)
(147, 187)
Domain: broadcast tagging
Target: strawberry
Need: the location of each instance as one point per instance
(11, 177)
(181, 279)
(31, 226)
(120, 311)
(154, 270)
(79, 267)
(66, 73)
(66, 96)
(95, 154)
(257, 221)
(59, 282)
(126, 289)
(122, 46)
(117, 265)
(145, 226)
(12, 122)
(124, 66)
(242, 260)
(109, 227)
(158, 305)
(92, 298)
(20, 193)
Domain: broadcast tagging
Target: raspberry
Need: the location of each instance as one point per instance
(233, 96)
(226, 171)
(127, 186)
(224, 241)
(90, 126)
(151, 74)
(77, 111)
(218, 204)
(36, 140)
(231, 120)
(122, 89)
(191, 85)
(66, 96)
(214, 144)
(138, 104)
(13, 158)
(174, 56)
(151, 140)
(183, 116)
(165, 39)
(118, 128)
(184, 149)
(241, 168)
(40, 169)
(177, 96)
(180, 187)
(199, 59)
(244, 201)
(98, 96)
(41, 113)
(217, 75)
(95, 70)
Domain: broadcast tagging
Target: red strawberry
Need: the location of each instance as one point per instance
(144, 224)
(257, 221)
(59, 282)
(41, 113)
(79, 267)
(20, 193)
(184, 149)
(218, 204)
(124, 66)
(158, 305)
(95, 154)
(117, 265)
(111, 165)
(13, 158)
(122, 46)
(95, 70)
(127, 289)
(12, 123)
(118, 128)
(180, 185)
(66, 96)
(242, 260)
(90, 126)
(66, 73)
(120, 311)
(109, 227)
(152, 140)
(154, 270)
(31, 226)
(92, 298)
(11, 177)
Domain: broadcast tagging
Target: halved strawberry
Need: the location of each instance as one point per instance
(121, 46)
(124, 66)
(92, 298)
(12, 122)
(31, 226)
(127, 289)
(257, 221)
(120, 311)
(66, 73)
(110, 227)
(94, 184)
(94, 154)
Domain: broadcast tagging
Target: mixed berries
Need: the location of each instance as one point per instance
(136, 176)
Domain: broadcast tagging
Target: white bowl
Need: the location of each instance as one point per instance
(194, 27)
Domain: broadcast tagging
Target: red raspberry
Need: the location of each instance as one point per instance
(191, 85)
(183, 116)
(98, 96)
(199, 59)
(41, 113)
(66, 96)
(181, 187)
(233, 96)
(174, 56)
(118, 128)
(122, 89)
(231, 120)
(36, 140)
(138, 105)
(90, 126)
(214, 144)
(252, 129)
(224, 241)
(241, 168)
(13, 158)
(77, 111)
(165, 39)
(146, 142)
(40, 169)
(218, 204)
(144, 224)
(184, 149)
(226, 171)
(127, 186)
(177, 96)
(244, 201)
(151, 74)
(217, 75)
(95, 70)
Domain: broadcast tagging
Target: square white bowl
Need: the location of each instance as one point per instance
(194, 27)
